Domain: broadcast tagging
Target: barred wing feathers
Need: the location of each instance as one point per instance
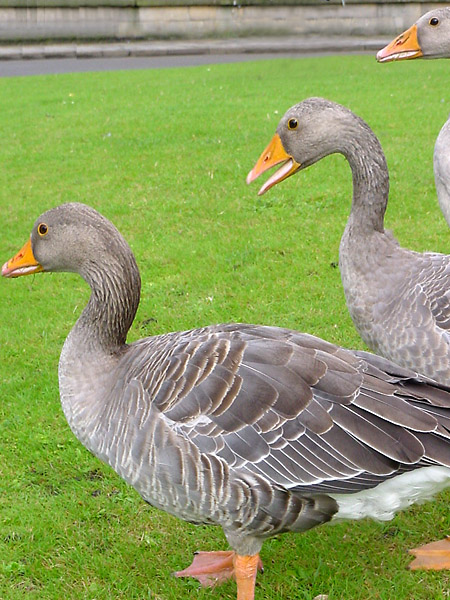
(295, 409)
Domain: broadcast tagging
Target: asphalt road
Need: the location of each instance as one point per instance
(14, 68)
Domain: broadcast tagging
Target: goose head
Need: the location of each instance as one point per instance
(76, 238)
(306, 133)
(302, 138)
(71, 237)
(429, 37)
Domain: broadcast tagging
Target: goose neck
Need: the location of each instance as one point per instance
(109, 314)
(370, 181)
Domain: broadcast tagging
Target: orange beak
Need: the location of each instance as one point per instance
(405, 46)
(273, 155)
(23, 263)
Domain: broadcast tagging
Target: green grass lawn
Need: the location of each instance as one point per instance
(164, 155)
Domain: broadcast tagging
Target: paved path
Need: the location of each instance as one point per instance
(61, 58)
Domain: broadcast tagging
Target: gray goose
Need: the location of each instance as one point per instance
(399, 300)
(257, 429)
(429, 37)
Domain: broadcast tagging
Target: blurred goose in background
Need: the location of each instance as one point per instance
(429, 37)
(259, 430)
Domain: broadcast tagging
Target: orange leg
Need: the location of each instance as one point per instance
(434, 556)
(245, 568)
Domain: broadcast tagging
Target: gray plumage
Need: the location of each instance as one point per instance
(399, 300)
(441, 164)
(255, 429)
(433, 33)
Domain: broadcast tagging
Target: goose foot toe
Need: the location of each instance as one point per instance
(210, 568)
(213, 568)
(434, 556)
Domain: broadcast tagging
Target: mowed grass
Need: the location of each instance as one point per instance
(164, 155)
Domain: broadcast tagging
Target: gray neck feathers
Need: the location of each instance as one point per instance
(370, 177)
(115, 291)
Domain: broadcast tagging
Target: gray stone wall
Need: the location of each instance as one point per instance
(56, 20)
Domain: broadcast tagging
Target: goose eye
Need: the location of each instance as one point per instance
(434, 21)
(42, 229)
(292, 124)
